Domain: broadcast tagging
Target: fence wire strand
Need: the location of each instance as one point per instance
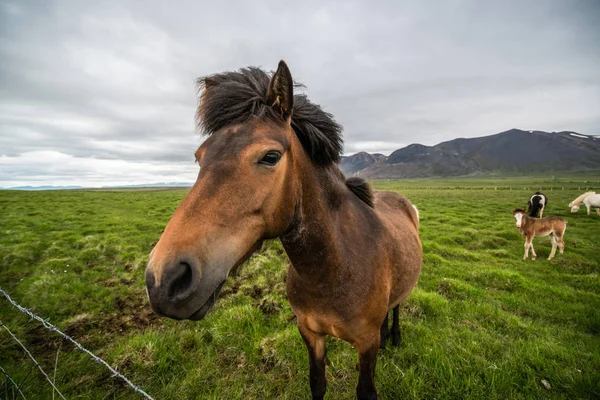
(37, 364)
(51, 327)
(13, 382)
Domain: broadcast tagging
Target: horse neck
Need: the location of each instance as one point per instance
(525, 220)
(312, 240)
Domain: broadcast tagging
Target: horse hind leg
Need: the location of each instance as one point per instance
(396, 337)
(384, 332)
(561, 244)
(554, 241)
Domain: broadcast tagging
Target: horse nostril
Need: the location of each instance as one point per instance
(150, 282)
(182, 281)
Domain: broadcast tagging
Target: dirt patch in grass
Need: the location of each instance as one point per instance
(130, 315)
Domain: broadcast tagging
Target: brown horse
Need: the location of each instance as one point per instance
(530, 227)
(267, 170)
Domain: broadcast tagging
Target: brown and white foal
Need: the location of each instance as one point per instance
(531, 227)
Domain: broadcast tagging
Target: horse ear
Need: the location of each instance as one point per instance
(281, 91)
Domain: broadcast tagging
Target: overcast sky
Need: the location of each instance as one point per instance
(102, 93)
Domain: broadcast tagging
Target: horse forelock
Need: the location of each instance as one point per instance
(230, 98)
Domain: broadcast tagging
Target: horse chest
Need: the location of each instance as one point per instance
(323, 307)
(337, 313)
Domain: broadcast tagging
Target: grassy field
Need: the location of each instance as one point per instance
(482, 323)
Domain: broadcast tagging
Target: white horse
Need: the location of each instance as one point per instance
(589, 199)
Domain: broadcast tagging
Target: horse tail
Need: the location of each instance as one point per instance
(417, 211)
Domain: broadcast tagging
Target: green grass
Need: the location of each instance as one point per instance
(581, 181)
(482, 323)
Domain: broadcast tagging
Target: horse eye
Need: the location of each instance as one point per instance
(271, 158)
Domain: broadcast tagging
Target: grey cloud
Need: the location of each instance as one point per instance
(115, 80)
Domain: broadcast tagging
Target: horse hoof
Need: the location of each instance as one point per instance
(366, 396)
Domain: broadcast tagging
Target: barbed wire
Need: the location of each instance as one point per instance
(13, 382)
(51, 327)
(37, 364)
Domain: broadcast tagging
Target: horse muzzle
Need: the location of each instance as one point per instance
(182, 290)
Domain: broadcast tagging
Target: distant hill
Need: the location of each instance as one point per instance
(149, 185)
(43, 187)
(359, 161)
(142, 185)
(513, 151)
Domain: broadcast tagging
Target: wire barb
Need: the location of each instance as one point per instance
(51, 327)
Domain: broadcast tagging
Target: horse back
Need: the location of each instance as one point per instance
(593, 200)
(397, 208)
(400, 218)
(549, 225)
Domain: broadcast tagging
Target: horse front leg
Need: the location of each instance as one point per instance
(527, 245)
(542, 212)
(367, 354)
(533, 255)
(315, 343)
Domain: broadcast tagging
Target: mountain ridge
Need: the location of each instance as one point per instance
(514, 151)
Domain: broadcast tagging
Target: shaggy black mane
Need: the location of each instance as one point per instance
(233, 97)
(361, 189)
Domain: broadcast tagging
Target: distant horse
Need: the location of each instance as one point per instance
(589, 199)
(531, 227)
(269, 170)
(536, 205)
